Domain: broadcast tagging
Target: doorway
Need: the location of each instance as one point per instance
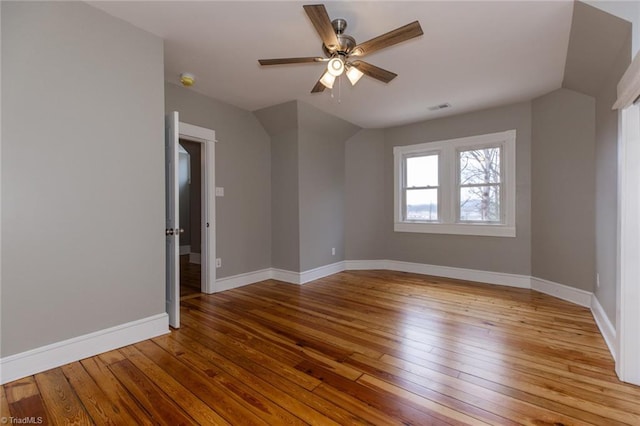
(190, 214)
(205, 138)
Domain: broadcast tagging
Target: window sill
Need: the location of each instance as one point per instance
(457, 229)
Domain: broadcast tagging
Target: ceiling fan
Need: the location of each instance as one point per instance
(342, 52)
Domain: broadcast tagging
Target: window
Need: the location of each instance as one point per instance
(479, 185)
(421, 187)
(458, 186)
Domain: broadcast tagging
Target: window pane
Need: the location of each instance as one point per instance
(422, 204)
(480, 166)
(480, 204)
(422, 171)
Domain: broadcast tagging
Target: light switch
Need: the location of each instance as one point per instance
(219, 191)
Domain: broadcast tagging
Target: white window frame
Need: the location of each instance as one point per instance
(448, 184)
(404, 179)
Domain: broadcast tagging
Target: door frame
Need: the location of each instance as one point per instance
(207, 138)
(628, 283)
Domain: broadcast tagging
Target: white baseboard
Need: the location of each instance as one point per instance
(570, 294)
(34, 361)
(499, 278)
(185, 250)
(194, 258)
(307, 276)
(607, 329)
(321, 272)
(291, 277)
(364, 265)
(235, 281)
(488, 277)
(286, 276)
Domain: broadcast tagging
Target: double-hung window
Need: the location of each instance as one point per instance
(458, 186)
(421, 187)
(479, 182)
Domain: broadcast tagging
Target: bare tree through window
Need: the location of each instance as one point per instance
(480, 184)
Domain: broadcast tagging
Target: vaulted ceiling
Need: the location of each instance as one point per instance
(473, 54)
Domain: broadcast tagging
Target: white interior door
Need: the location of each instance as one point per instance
(172, 230)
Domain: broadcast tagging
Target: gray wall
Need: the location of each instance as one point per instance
(595, 40)
(606, 203)
(243, 168)
(563, 192)
(307, 156)
(365, 198)
(321, 159)
(82, 240)
(595, 62)
(497, 254)
(281, 122)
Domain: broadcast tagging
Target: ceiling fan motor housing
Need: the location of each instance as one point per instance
(346, 42)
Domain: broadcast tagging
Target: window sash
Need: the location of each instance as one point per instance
(406, 188)
(405, 204)
(479, 221)
(499, 185)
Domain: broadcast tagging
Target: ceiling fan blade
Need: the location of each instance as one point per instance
(319, 87)
(284, 61)
(374, 72)
(320, 20)
(396, 36)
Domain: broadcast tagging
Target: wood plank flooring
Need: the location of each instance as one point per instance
(359, 347)
(189, 278)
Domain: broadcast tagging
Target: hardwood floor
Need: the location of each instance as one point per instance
(359, 347)
(189, 278)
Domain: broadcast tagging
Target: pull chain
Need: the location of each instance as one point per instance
(339, 90)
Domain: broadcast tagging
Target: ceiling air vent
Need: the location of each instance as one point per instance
(439, 107)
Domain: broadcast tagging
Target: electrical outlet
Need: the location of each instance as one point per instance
(333, 251)
(597, 280)
(218, 263)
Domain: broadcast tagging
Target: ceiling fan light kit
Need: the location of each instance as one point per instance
(354, 74)
(335, 67)
(339, 48)
(327, 80)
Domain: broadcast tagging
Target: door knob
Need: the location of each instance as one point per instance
(179, 231)
(169, 231)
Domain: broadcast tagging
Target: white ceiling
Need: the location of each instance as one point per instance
(473, 54)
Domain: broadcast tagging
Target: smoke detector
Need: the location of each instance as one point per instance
(187, 79)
